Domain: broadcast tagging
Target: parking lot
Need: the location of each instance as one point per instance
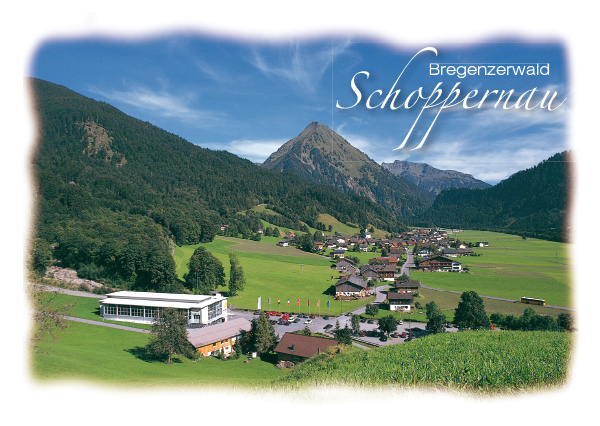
(317, 325)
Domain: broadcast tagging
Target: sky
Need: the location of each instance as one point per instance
(250, 96)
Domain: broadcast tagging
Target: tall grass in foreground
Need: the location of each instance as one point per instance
(482, 361)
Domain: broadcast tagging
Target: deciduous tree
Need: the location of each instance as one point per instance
(470, 312)
(436, 320)
(169, 335)
(388, 324)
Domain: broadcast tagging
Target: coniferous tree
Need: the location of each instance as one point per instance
(237, 280)
(205, 272)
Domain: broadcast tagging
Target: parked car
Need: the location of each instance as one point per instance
(404, 335)
(256, 312)
(395, 335)
(371, 321)
(383, 338)
(313, 316)
(308, 321)
(326, 317)
(297, 320)
(400, 322)
(327, 327)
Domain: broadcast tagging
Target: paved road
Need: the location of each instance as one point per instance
(71, 292)
(105, 324)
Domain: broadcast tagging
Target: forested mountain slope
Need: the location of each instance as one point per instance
(114, 193)
(532, 202)
(322, 156)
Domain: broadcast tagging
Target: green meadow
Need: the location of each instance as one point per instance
(511, 267)
(274, 272)
(485, 362)
(112, 356)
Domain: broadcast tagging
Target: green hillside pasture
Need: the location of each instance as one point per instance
(481, 362)
(510, 268)
(110, 356)
(498, 285)
(337, 226)
(271, 275)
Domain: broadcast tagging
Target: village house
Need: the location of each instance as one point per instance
(345, 265)
(440, 263)
(407, 286)
(299, 347)
(351, 285)
(213, 339)
(399, 301)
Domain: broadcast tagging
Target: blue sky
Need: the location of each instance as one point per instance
(250, 97)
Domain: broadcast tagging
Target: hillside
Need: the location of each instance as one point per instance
(532, 202)
(481, 361)
(320, 155)
(431, 179)
(114, 194)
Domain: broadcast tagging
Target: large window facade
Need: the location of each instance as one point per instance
(215, 310)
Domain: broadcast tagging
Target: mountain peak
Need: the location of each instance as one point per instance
(321, 155)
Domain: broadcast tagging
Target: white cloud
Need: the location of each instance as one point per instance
(302, 67)
(256, 151)
(163, 104)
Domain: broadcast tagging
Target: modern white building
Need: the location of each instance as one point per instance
(143, 307)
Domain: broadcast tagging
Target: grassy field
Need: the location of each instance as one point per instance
(273, 272)
(510, 267)
(111, 356)
(483, 361)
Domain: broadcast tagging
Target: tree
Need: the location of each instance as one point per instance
(388, 324)
(435, 318)
(206, 272)
(306, 331)
(470, 312)
(237, 280)
(355, 321)
(372, 310)
(276, 233)
(48, 315)
(344, 335)
(565, 321)
(262, 337)
(169, 335)
(318, 236)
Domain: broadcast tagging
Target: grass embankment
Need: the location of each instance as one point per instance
(510, 267)
(274, 272)
(468, 361)
(111, 356)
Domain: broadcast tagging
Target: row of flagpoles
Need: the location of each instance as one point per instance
(288, 303)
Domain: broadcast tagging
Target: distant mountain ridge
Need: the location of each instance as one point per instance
(532, 202)
(431, 179)
(320, 155)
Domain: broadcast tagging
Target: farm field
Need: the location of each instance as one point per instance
(481, 362)
(510, 268)
(270, 274)
(112, 356)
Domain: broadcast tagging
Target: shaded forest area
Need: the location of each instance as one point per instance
(114, 194)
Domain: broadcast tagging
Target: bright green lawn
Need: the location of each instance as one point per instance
(107, 355)
(268, 275)
(510, 268)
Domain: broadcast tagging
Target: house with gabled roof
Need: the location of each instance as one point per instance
(299, 347)
(399, 301)
(351, 285)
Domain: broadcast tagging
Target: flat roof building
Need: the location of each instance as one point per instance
(143, 307)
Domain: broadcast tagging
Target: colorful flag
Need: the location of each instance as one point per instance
(269, 300)
(318, 303)
(288, 302)
(298, 302)
(308, 302)
(328, 303)
(259, 304)
(279, 300)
